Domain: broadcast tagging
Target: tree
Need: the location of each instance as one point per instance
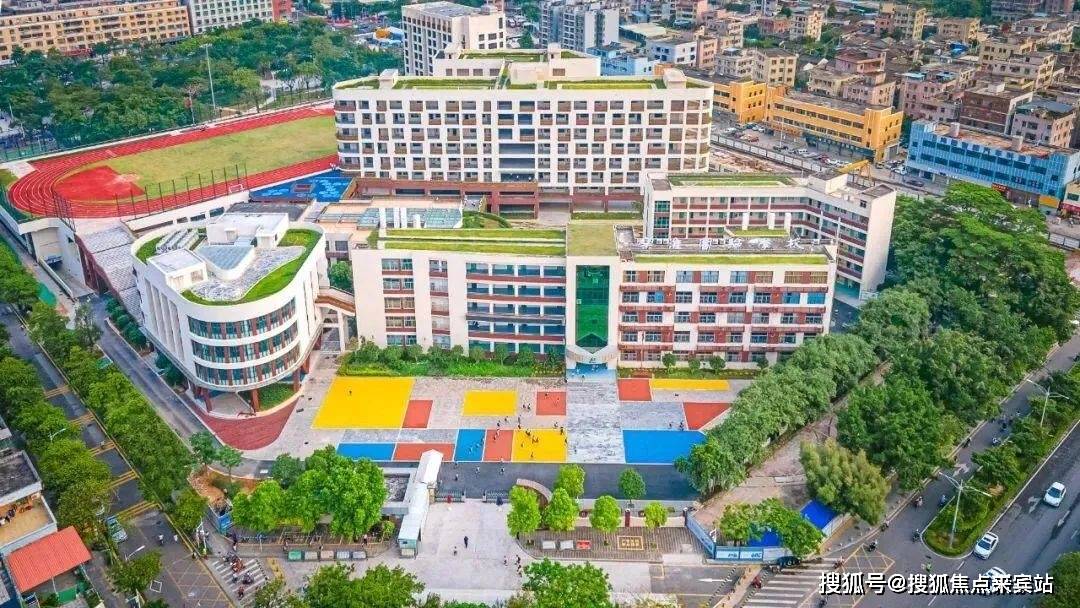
(961, 373)
(526, 358)
(188, 510)
(656, 515)
(383, 587)
(561, 512)
(606, 514)
(526, 41)
(524, 515)
(1066, 573)
(796, 533)
(846, 482)
(66, 461)
(204, 447)
(717, 362)
(80, 505)
(229, 457)
(631, 485)
(555, 585)
(262, 509)
(998, 465)
(736, 524)
(501, 351)
(694, 364)
(571, 478)
(893, 321)
(275, 594)
(286, 469)
(785, 11)
(669, 361)
(341, 276)
(330, 587)
(248, 81)
(135, 575)
(352, 492)
(86, 331)
(18, 288)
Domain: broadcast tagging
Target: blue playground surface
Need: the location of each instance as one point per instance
(818, 514)
(466, 449)
(658, 447)
(372, 451)
(326, 187)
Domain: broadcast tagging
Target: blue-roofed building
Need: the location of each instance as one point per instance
(1024, 172)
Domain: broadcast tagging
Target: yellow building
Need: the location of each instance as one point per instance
(871, 130)
(77, 27)
(742, 97)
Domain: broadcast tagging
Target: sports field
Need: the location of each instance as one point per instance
(261, 149)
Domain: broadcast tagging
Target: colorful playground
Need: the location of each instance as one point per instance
(512, 420)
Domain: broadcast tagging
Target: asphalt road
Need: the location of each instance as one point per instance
(1029, 543)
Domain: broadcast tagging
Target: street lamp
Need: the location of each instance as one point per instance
(128, 558)
(1046, 398)
(210, 75)
(57, 433)
(960, 485)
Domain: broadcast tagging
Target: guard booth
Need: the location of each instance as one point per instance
(418, 496)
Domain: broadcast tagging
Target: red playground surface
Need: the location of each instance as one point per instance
(417, 413)
(102, 181)
(411, 452)
(698, 414)
(42, 191)
(551, 403)
(634, 389)
(501, 449)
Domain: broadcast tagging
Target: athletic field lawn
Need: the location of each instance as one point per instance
(262, 149)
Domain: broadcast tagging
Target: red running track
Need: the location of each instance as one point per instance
(34, 192)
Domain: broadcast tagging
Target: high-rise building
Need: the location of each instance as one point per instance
(521, 127)
(579, 25)
(431, 27)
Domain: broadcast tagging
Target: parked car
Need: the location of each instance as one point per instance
(778, 147)
(116, 531)
(995, 572)
(802, 151)
(902, 170)
(986, 545)
(1054, 494)
(918, 183)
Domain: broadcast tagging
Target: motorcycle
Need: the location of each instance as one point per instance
(915, 536)
(918, 502)
(943, 501)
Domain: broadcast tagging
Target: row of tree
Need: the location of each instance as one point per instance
(300, 493)
(124, 91)
(742, 522)
(977, 298)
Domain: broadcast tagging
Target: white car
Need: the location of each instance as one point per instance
(986, 545)
(1054, 494)
(995, 572)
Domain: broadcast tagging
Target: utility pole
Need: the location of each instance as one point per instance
(960, 485)
(1047, 394)
(210, 75)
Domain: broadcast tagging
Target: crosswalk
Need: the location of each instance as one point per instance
(788, 588)
(250, 566)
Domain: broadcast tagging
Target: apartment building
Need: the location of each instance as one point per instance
(209, 14)
(206, 307)
(1014, 10)
(599, 293)
(728, 33)
(1045, 122)
(1017, 62)
(806, 22)
(934, 93)
(872, 131)
(734, 63)
(431, 27)
(690, 12)
(1025, 173)
(74, 28)
(904, 19)
(773, 66)
(616, 61)
(829, 82)
(961, 29)
(579, 25)
(522, 127)
(992, 106)
(857, 61)
(875, 89)
(1047, 32)
(829, 207)
(742, 98)
(674, 50)
(21, 495)
(774, 26)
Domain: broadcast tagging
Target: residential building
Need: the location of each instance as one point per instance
(774, 26)
(689, 12)
(674, 50)
(1017, 62)
(522, 127)
(875, 89)
(1058, 7)
(431, 27)
(828, 206)
(904, 19)
(74, 28)
(857, 61)
(734, 63)
(49, 567)
(707, 50)
(1071, 201)
(1047, 32)
(991, 107)
(829, 82)
(20, 495)
(616, 61)
(806, 22)
(872, 131)
(579, 25)
(1045, 122)
(773, 66)
(232, 303)
(961, 29)
(1025, 173)
(1014, 10)
(728, 33)
(209, 14)
(742, 98)
(934, 94)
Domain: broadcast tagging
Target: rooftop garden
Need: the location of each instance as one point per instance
(445, 83)
(278, 278)
(148, 248)
(522, 56)
(732, 259)
(513, 247)
(362, 83)
(728, 179)
(606, 84)
(592, 237)
(479, 233)
(760, 232)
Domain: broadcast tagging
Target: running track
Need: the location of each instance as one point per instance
(34, 191)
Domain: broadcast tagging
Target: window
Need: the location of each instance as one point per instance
(760, 318)
(684, 276)
(707, 317)
(814, 319)
(762, 298)
(758, 337)
(629, 276)
(815, 298)
(629, 317)
(788, 338)
(682, 317)
(710, 276)
(792, 297)
(654, 297)
(734, 317)
(629, 336)
(654, 317)
(630, 296)
(734, 337)
(737, 297)
(652, 336)
(733, 357)
(739, 276)
(787, 318)
(706, 338)
(707, 298)
(684, 297)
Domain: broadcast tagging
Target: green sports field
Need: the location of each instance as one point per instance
(262, 149)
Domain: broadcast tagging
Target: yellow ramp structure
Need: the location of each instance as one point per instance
(490, 403)
(689, 384)
(364, 403)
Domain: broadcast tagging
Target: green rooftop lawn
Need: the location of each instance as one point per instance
(522, 56)
(593, 237)
(760, 232)
(605, 84)
(445, 83)
(363, 83)
(732, 260)
(478, 233)
(727, 179)
(148, 249)
(278, 278)
(481, 247)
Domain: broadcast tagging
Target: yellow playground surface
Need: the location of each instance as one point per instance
(689, 384)
(539, 445)
(490, 403)
(364, 403)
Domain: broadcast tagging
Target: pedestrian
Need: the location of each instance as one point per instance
(175, 538)
(502, 470)
(455, 549)
(477, 470)
(455, 476)
(505, 560)
(519, 561)
(466, 542)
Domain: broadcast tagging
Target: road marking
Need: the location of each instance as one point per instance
(932, 600)
(961, 565)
